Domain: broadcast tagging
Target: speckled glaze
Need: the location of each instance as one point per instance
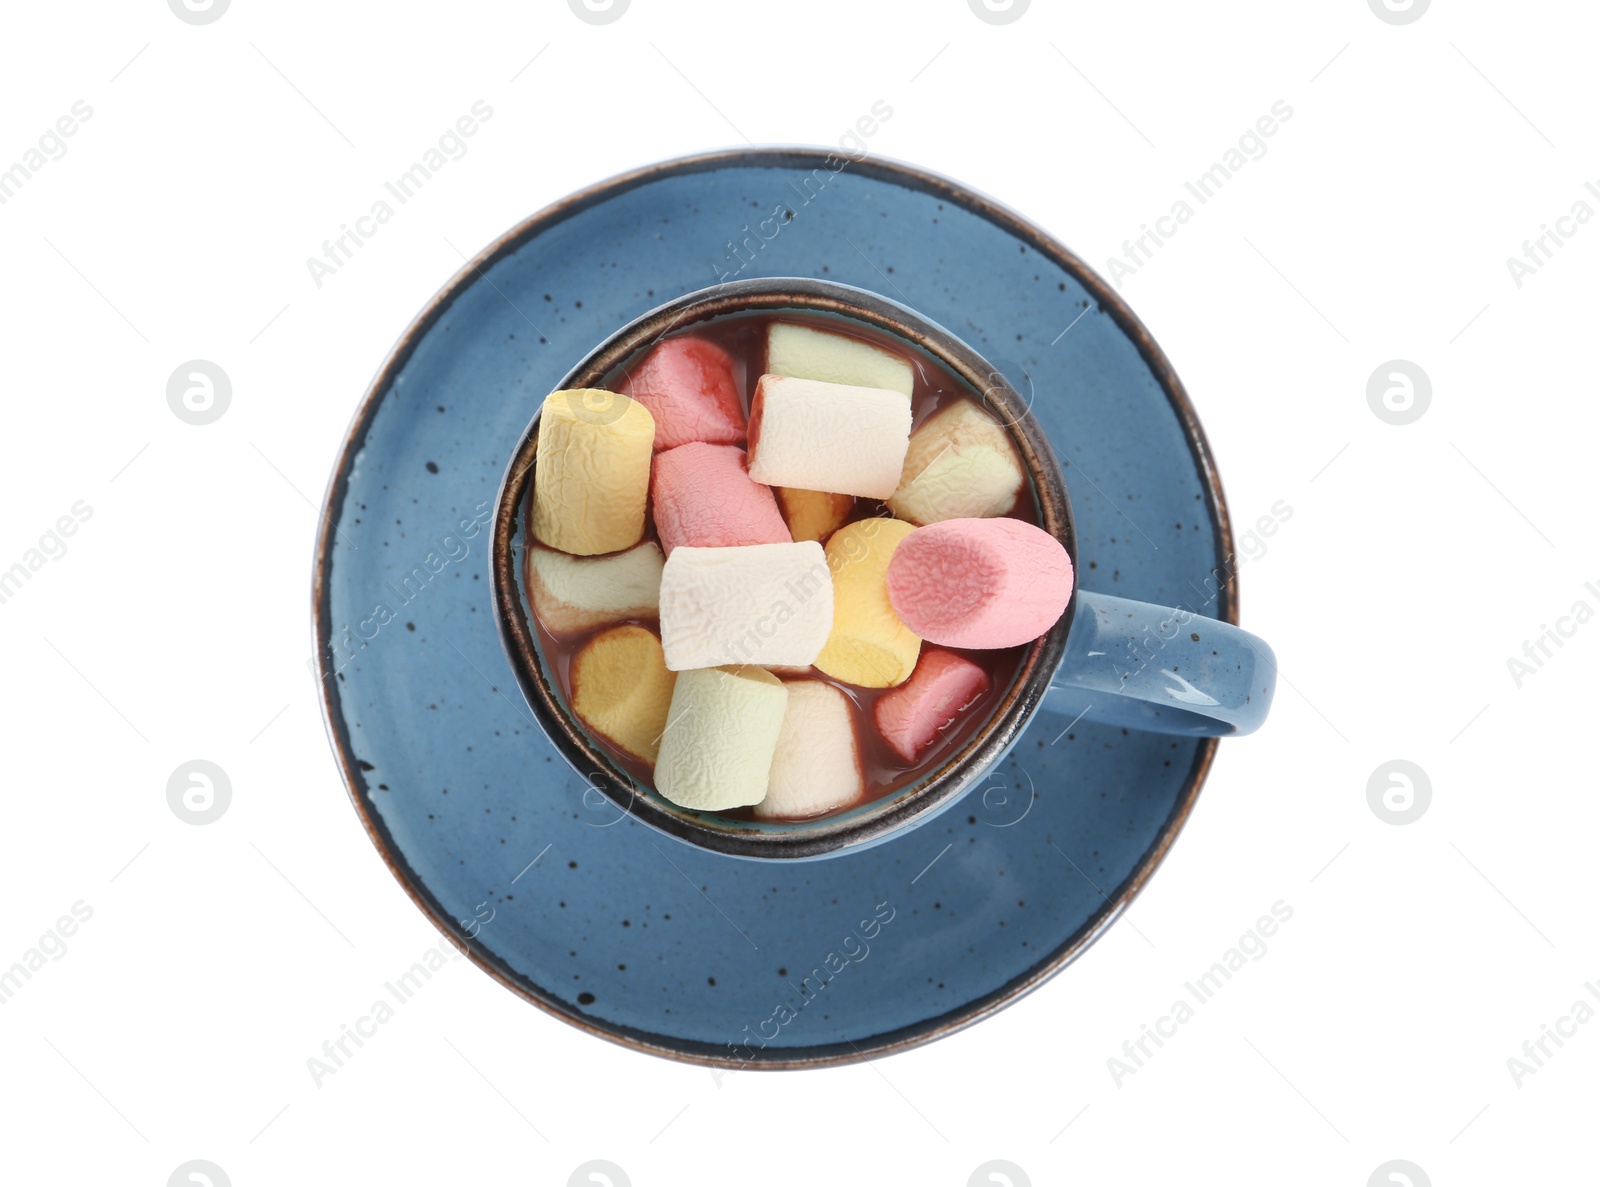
(599, 919)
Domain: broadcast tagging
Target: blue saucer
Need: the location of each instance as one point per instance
(604, 922)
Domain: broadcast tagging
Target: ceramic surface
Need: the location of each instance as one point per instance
(602, 921)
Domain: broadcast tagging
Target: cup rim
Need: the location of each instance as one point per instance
(895, 811)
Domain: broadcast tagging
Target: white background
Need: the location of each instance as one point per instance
(1418, 559)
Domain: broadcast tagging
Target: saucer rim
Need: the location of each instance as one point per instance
(882, 168)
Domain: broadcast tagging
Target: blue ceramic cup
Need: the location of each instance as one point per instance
(1108, 659)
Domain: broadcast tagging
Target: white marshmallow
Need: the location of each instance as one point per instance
(572, 593)
(805, 353)
(721, 732)
(816, 766)
(828, 436)
(766, 604)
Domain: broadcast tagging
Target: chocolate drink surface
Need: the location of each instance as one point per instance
(934, 390)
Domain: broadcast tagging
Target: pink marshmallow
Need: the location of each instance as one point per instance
(688, 386)
(980, 583)
(942, 685)
(704, 497)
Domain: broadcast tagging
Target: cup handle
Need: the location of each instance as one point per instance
(1162, 669)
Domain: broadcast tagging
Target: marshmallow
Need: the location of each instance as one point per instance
(688, 386)
(720, 737)
(813, 514)
(621, 689)
(805, 353)
(704, 496)
(767, 604)
(573, 593)
(817, 766)
(980, 582)
(828, 436)
(868, 644)
(591, 471)
(912, 716)
(960, 465)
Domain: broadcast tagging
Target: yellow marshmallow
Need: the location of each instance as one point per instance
(591, 471)
(812, 514)
(868, 645)
(621, 689)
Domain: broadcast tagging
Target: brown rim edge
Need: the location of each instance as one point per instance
(911, 177)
